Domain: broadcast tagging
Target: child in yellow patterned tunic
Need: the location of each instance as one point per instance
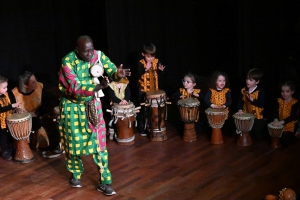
(252, 100)
(149, 69)
(219, 95)
(286, 112)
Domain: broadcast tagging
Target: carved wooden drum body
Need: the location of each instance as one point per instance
(19, 126)
(275, 132)
(244, 124)
(189, 112)
(156, 99)
(216, 119)
(124, 118)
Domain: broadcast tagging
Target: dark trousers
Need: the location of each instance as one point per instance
(258, 129)
(6, 141)
(141, 117)
(287, 138)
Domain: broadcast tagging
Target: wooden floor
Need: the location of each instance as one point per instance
(172, 169)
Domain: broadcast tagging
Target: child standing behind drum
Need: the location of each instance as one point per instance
(286, 113)
(189, 82)
(149, 69)
(219, 95)
(7, 103)
(119, 92)
(252, 101)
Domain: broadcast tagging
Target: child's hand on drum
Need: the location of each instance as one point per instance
(19, 110)
(240, 112)
(196, 95)
(215, 106)
(16, 105)
(182, 96)
(277, 123)
(123, 102)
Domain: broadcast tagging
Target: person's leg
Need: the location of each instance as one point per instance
(75, 166)
(6, 152)
(258, 129)
(101, 159)
(287, 138)
(141, 117)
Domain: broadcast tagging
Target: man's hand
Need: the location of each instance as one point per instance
(123, 72)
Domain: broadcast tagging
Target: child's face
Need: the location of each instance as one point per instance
(188, 83)
(251, 83)
(148, 57)
(286, 92)
(3, 87)
(221, 82)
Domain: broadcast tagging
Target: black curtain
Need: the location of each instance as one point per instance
(196, 36)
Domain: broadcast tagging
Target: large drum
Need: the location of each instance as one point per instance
(244, 124)
(216, 119)
(124, 118)
(156, 99)
(275, 132)
(19, 126)
(189, 112)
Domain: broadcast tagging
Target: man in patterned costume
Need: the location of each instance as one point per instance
(79, 136)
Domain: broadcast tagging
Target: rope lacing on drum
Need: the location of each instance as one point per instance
(239, 132)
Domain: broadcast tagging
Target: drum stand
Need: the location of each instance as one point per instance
(275, 143)
(244, 139)
(189, 133)
(23, 152)
(216, 136)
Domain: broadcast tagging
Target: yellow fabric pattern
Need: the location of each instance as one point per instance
(219, 98)
(29, 102)
(248, 107)
(149, 80)
(119, 92)
(4, 102)
(188, 95)
(284, 112)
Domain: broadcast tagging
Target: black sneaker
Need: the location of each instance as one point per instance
(106, 189)
(6, 155)
(75, 183)
(144, 132)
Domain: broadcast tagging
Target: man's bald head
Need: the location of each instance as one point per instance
(85, 48)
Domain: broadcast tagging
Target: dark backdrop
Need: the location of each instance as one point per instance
(196, 36)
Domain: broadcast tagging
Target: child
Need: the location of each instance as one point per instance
(286, 113)
(189, 82)
(7, 103)
(149, 70)
(119, 92)
(219, 95)
(252, 101)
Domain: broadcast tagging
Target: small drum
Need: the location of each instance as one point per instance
(19, 126)
(244, 124)
(216, 119)
(275, 132)
(124, 118)
(156, 117)
(189, 111)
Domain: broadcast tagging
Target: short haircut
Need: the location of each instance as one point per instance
(24, 80)
(3, 79)
(149, 48)
(255, 74)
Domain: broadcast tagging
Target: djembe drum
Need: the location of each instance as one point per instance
(216, 119)
(189, 111)
(19, 126)
(275, 132)
(124, 117)
(156, 116)
(244, 124)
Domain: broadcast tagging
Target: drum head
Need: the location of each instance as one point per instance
(97, 70)
(129, 105)
(188, 102)
(244, 116)
(155, 93)
(275, 127)
(215, 111)
(18, 116)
